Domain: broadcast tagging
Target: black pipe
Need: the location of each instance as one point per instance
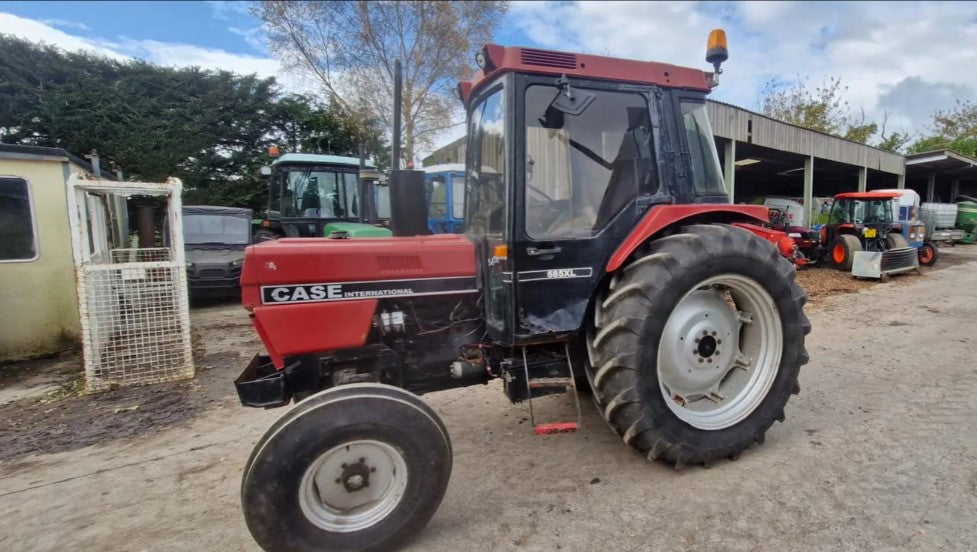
(398, 99)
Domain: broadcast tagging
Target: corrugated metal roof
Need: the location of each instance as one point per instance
(736, 123)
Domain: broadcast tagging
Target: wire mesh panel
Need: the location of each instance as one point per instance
(133, 301)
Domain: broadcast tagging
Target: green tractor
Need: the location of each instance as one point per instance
(312, 195)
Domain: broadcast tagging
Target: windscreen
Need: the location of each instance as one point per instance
(706, 173)
(216, 229)
(859, 211)
(320, 193)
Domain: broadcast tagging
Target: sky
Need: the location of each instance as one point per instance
(900, 59)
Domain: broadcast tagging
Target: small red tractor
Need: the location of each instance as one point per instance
(862, 236)
(599, 252)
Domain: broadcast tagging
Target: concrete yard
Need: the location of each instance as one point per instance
(878, 452)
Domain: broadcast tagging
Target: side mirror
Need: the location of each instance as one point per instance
(265, 170)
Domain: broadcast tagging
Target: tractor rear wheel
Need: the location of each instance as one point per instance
(697, 345)
(356, 467)
(928, 254)
(843, 250)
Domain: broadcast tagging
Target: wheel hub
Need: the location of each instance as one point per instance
(707, 346)
(355, 476)
(353, 486)
(692, 345)
(719, 351)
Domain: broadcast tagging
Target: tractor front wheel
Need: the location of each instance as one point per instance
(928, 254)
(697, 345)
(843, 250)
(357, 467)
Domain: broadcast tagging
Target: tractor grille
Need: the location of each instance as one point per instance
(211, 273)
(548, 59)
(894, 259)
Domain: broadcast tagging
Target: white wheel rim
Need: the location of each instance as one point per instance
(353, 486)
(720, 351)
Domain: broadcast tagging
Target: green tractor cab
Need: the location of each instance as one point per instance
(308, 192)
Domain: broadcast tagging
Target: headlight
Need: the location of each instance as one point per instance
(238, 262)
(189, 265)
(912, 236)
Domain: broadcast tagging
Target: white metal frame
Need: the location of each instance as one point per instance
(37, 237)
(133, 303)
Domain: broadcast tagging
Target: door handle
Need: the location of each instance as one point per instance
(534, 252)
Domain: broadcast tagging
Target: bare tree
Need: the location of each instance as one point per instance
(349, 47)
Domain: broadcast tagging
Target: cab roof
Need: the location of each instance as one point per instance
(503, 59)
(319, 159)
(867, 195)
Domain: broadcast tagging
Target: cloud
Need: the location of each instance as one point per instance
(66, 24)
(255, 37)
(171, 54)
(225, 10)
(915, 99)
(873, 47)
(36, 31)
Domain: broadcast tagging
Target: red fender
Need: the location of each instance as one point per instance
(662, 216)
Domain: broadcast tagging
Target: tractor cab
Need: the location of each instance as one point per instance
(445, 194)
(565, 154)
(311, 195)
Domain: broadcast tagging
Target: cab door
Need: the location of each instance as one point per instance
(582, 176)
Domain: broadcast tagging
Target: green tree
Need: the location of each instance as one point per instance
(303, 124)
(954, 129)
(211, 129)
(822, 108)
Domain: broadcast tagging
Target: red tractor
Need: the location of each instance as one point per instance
(599, 251)
(861, 225)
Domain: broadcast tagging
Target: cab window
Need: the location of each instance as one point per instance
(582, 170)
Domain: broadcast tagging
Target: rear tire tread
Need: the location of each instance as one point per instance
(618, 339)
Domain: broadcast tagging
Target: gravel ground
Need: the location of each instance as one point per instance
(877, 452)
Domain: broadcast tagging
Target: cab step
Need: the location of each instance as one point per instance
(556, 427)
(539, 383)
(566, 383)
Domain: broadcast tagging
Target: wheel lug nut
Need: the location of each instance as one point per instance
(372, 470)
(719, 342)
(343, 465)
(710, 361)
(697, 340)
(338, 481)
(713, 333)
(705, 332)
(700, 360)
